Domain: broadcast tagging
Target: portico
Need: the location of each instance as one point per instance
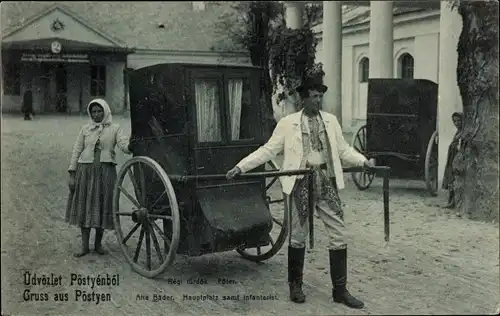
(382, 54)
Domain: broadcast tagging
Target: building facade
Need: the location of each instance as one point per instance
(415, 55)
(386, 39)
(61, 53)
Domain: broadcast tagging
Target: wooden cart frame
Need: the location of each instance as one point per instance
(400, 131)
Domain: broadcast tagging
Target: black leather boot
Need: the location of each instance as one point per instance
(338, 271)
(295, 270)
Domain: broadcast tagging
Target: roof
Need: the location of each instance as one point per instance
(354, 15)
(134, 23)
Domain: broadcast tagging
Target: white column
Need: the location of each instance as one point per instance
(294, 20)
(332, 52)
(381, 40)
(293, 14)
(449, 99)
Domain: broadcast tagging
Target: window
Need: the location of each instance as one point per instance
(12, 78)
(228, 117)
(158, 96)
(364, 69)
(207, 94)
(406, 65)
(240, 109)
(98, 81)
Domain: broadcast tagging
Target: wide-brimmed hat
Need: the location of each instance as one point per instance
(315, 84)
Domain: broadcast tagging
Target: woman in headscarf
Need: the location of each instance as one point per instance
(92, 175)
(448, 179)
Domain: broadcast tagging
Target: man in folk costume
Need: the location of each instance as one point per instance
(311, 138)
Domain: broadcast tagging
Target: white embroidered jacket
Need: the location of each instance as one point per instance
(287, 138)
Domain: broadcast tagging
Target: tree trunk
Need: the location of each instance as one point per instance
(477, 75)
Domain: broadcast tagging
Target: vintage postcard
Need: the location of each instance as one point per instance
(249, 158)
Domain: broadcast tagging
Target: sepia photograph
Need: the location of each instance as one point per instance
(250, 158)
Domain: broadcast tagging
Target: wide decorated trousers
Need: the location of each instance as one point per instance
(327, 206)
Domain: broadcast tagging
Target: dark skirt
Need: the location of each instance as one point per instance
(90, 204)
(448, 177)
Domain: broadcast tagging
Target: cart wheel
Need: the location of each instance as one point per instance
(139, 212)
(431, 165)
(363, 179)
(278, 234)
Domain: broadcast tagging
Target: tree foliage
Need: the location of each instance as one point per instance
(249, 27)
(313, 14)
(292, 56)
(258, 27)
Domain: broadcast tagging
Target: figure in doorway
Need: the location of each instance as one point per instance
(27, 107)
(453, 149)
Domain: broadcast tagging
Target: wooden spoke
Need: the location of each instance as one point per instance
(148, 246)
(259, 252)
(359, 140)
(164, 217)
(158, 199)
(362, 179)
(162, 235)
(277, 222)
(271, 183)
(166, 243)
(142, 183)
(131, 232)
(139, 245)
(130, 197)
(137, 189)
(363, 131)
(431, 164)
(156, 244)
(124, 213)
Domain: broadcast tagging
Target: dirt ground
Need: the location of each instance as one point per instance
(435, 262)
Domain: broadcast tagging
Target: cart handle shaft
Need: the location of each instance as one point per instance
(268, 174)
(382, 170)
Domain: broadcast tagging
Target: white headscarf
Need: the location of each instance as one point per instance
(106, 120)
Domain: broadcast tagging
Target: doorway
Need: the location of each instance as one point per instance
(56, 87)
(61, 88)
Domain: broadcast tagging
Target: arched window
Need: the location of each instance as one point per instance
(364, 67)
(406, 65)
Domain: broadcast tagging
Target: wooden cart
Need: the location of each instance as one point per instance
(400, 131)
(190, 124)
